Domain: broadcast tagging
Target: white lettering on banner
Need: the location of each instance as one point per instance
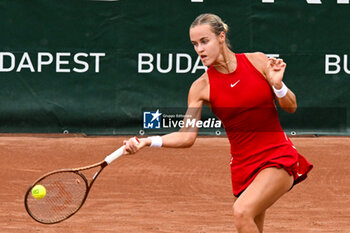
(189, 62)
(346, 64)
(333, 61)
(170, 62)
(145, 63)
(44, 59)
(41, 62)
(314, 1)
(311, 1)
(25, 58)
(97, 60)
(142, 62)
(198, 66)
(183, 63)
(12, 66)
(334, 64)
(59, 62)
(84, 63)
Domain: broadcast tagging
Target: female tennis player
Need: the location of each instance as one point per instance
(241, 89)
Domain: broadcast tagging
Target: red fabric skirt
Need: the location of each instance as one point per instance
(244, 171)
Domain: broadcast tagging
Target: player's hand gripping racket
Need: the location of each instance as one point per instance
(66, 191)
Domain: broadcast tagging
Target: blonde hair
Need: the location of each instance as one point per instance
(215, 22)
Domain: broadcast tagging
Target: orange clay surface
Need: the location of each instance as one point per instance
(170, 190)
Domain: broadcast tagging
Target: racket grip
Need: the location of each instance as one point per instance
(116, 154)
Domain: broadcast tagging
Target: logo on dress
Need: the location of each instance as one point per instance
(232, 85)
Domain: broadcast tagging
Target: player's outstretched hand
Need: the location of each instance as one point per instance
(132, 145)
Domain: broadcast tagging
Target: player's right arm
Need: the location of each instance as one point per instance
(185, 137)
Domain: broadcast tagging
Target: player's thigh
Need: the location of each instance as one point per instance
(259, 219)
(268, 186)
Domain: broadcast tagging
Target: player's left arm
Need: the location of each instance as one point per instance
(273, 70)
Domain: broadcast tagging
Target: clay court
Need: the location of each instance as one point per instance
(170, 190)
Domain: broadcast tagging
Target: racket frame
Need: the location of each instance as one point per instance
(108, 160)
(101, 164)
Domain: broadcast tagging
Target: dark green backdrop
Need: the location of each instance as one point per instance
(110, 100)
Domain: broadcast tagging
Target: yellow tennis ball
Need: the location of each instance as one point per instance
(38, 191)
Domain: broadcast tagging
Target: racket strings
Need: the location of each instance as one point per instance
(65, 193)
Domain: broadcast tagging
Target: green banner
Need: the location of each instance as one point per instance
(96, 67)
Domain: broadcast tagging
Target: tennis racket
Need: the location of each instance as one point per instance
(66, 191)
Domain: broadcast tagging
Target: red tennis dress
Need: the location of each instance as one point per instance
(245, 103)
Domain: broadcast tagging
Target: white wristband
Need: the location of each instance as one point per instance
(156, 141)
(281, 92)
